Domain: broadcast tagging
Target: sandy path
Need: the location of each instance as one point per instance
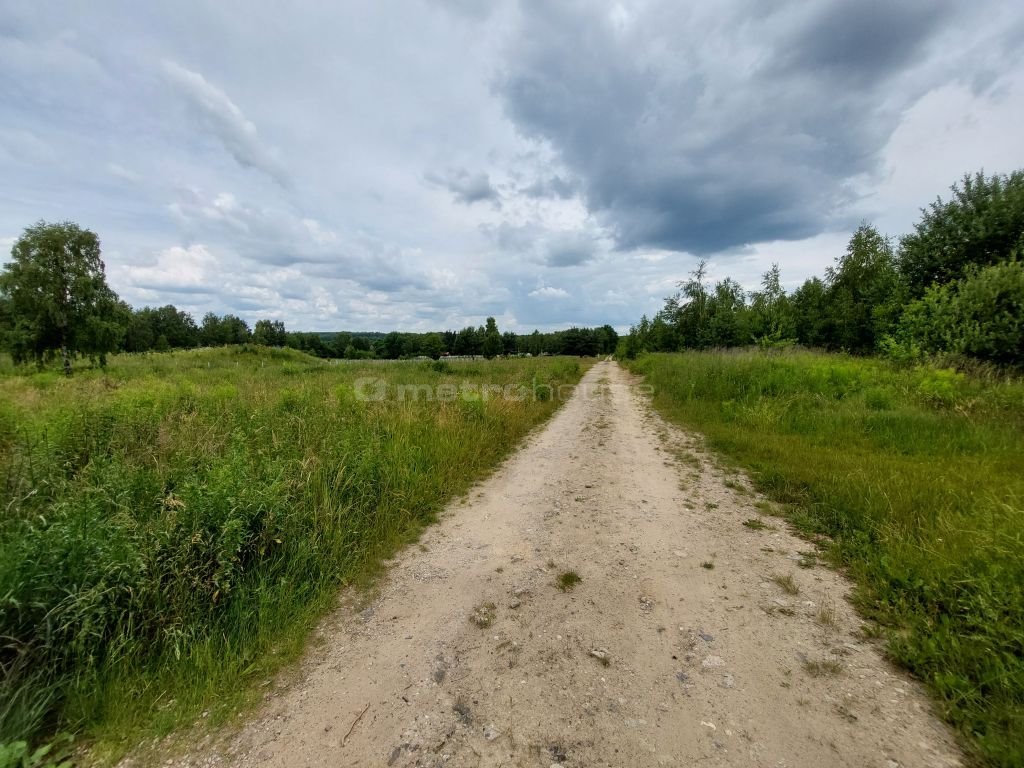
(705, 666)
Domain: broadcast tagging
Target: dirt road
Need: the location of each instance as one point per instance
(677, 648)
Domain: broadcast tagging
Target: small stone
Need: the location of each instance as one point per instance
(711, 662)
(491, 733)
(600, 654)
(706, 637)
(514, 604)
(727, 681)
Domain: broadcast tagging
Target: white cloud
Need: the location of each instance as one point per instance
(227, 122)
(948, 132)
(548, 292)
(173, 270)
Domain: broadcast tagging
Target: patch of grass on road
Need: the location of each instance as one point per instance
(567, 580)
(917, 476)
(786, 582)
(172, 528)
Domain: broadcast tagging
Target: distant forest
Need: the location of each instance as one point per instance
(55, 302)
(170, 328)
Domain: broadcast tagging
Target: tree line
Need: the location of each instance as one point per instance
(955, 285)
(487, 341)
(55, 302)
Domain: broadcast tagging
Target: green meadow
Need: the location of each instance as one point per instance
(912, 478)
(173, 527)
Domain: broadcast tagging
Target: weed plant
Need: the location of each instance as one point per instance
(917, 477)
(172, 528)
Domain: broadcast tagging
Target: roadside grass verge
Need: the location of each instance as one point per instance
(171, 529)
(916, 475)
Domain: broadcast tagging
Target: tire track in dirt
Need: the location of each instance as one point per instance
(677, 647)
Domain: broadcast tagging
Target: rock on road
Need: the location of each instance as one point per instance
(677, 648)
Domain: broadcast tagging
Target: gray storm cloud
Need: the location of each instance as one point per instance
(702, 133)
(552, 162)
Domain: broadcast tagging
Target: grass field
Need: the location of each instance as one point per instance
(917, 475)
(171, 529)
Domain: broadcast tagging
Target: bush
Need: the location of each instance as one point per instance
(981, 316)
(989, 310)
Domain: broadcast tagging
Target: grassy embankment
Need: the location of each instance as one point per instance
(917, 475)
(171, 530)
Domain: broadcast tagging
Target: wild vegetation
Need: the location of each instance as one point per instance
(173, 526)
(167, 327)
(955, 286)
(914, 476)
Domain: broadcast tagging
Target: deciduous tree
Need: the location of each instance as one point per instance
(56, 298)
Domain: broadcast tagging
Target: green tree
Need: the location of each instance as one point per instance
(862, 292)
(468, 341)
(979, 225)
(56, 297)
(211, 332)
(177, 326)
(810, 311)
(727, 315)
(509, 343)
(432, 345)
(771, 310)
(270, 333)
(492, 346)
(139, 335)
(339, 344)
(236, 330)
(392, 346)
(535, 343)
(684, 320)
(629, 345)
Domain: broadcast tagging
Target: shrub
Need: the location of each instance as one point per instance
(981, 316)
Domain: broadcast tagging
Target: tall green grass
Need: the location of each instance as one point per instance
(172, 528)
(917, 476)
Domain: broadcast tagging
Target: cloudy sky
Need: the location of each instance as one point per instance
(379, 165)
